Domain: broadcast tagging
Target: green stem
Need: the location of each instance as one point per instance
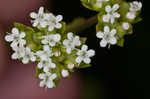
(80, 24)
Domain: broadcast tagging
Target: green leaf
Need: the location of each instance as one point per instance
(121, 42)
(83, 65)
(23, 28)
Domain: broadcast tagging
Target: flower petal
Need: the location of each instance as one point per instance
(103, 43)
(84, 48)
(87, 60)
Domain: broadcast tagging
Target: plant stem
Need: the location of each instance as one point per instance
(80, 24)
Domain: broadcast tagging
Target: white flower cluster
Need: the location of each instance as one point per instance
(18, 45)
(112, 14)
(47, 57)
(43, 20)
(134, 7)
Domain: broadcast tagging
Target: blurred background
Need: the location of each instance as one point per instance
(118, 73)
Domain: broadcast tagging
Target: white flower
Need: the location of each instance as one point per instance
(71, 42)
(111, 13)
(135, 6)
(64, 73)
(108, 36)
(29, 55)
(71, 66)
(84, 55)
(45, 54)
(51, 39)
(46, 65)
(53, 21)
(47, 79)
(125, 25)
(19, 52)
(131, 15)
(40, 18)
(16, 38)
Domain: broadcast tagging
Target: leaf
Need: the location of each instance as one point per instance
(23, 28)
(121, 42)
(83, 40)
(83, 65)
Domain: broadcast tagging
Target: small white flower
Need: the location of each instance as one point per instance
(51, 39)
(71, 66)
(84, 55)
(125, 25)
(45, 54)
(53, 21)
(65, 73)
(29, 55)
(135, 6)
(47, 79)
(111, 13)
(19, 52)
(40, 18)
(131, 15)
(46, 65)
(16, 38)
(108, 36)
(71, 42)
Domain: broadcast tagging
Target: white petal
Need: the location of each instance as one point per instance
(42, 76)
(42, 83)
(78, 59)
(71, 66)
(106, 29)
(15, 31)
(125, 26)
(50, 28)
(25, 60)
(68, 50)
(53, 65)
(64, 73)
(22, 34)
(112, 20)
(33, 58)
(35, 23)
(91, 53)
(116, 15)
(84, 48)
(44, 41)
(9, 38)
(70, 35)
(59, 18)
(99, 35)
(113, 41)
(113, 32)
(58, 25)
(40, 65)
(103, 43)
(43, 24)
(33, 15)
(14, 56)
(57, 37)
(108, 8)
(115, 7)
(50, 84)
(41, 10)
(46, 48)
(53, 76)
(46, 69)
(106, 18)
(87, 60)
